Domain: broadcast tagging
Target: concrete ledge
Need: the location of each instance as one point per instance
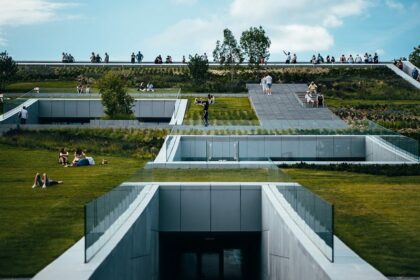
(71, 265)
(347, 264)
(404, 75)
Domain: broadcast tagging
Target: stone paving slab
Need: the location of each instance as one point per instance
(283, 110)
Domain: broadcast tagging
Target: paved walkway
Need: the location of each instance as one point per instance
(283, 110)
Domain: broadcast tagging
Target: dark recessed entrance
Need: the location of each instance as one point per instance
(228, 256)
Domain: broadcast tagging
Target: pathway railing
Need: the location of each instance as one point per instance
(316, 216)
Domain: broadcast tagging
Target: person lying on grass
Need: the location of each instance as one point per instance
(44, 181)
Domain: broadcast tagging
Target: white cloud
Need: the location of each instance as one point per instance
(297, 11)
(298, 25)
(265, 9)
(332, 21)
(392, 4)
(199, 35)
(297, 38)
(349, 8)
(24, 12)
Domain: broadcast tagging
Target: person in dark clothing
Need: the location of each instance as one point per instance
(205, 104)
(133, 58)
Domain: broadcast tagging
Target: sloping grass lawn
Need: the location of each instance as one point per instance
(225, 111)
(377, 216)
(62, 86)
(37, 225)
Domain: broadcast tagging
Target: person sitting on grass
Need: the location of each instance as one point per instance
(141, 87)
(211, 98)
(43, 181)
(78, 155)
(63, 157)
(150, 87)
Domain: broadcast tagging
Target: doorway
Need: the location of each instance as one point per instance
(212, 256)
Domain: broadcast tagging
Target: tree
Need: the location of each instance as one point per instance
(414, 57)
(255, 44)
(8, 69)
(116, 100)
(228, 52)
(198, 67)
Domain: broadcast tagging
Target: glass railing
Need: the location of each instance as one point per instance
(394, 141)
(289, 148)
(10, 104)
(315, 216)
(104, 215)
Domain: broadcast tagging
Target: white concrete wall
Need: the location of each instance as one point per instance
(283, 255)
(288, 253)
(378, 150)
(11, 117)
(137, 254)
(92, 108)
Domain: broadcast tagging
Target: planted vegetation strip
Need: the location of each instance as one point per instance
(215, 175)
(343, 82)
(403, 118)
(38, 224)
(377, 216)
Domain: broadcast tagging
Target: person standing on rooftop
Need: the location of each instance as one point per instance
(106, 60)
(288, 57)
(93, 57)
(269, 82)
(294, 59)
(133, 58)
(23, 115)
(139, 57)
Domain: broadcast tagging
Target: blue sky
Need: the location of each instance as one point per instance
(42, 29)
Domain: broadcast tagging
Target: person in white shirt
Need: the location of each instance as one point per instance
(150, 87)
(23, 115)
(269, 82)
(288, 57)
(264, 85)
(358, 59)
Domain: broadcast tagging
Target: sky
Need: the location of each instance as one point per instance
(43, 29)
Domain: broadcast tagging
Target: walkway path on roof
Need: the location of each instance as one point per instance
(283, 110)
